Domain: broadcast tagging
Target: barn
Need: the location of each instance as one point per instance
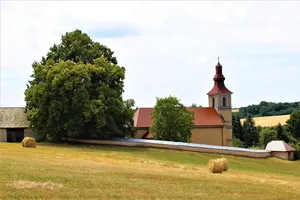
(14, 126)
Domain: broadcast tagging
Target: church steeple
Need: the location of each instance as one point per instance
(219, 86)
(219, 97)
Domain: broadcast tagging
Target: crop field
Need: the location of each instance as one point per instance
(270, 120)
(77, 171)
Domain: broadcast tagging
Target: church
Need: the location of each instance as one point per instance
(212, 124)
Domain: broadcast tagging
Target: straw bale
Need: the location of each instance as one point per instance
(23, 141)
(210, 164)
(215, 166)
(220, 163)
(29, 142)
(224, 163)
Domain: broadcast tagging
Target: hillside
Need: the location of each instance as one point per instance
(107, 172)
(270, 120)
(267, 109)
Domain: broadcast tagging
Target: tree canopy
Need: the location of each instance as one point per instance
(194, 105)
(237, 128)
(79, 93)
(293, 124)
(266, 136)
(172, 121)
(78, 46)
(268, 109)
(251, 133)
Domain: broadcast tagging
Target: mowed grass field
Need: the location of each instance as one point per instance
(73, 171)
(270, 120)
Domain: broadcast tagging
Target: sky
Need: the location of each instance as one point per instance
(168, 48)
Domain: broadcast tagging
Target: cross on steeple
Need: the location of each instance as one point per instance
(218, 60)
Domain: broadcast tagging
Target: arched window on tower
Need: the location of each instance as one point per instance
(224, 102)
(213, 102)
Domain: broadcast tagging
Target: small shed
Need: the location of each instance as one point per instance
(281, 149)
(14, 125)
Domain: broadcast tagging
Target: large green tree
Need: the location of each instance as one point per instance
(78, 46)
(78, 97)
(172, 121)
(293, 124)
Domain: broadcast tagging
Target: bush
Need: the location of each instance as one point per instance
(266, 136)
(237, 142)
(255, 148)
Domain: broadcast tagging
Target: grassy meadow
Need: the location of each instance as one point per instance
(270, 120)
(73, 171)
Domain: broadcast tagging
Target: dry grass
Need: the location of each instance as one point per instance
(270, 120)
(21, 184)
(107, 172)
(235, 110)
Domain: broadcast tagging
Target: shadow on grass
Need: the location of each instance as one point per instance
(77, 145)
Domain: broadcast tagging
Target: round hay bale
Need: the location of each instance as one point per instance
(224, 163)
(29, 142)
(23, 141)
(210, 164)
(220, 162)
(215, 166)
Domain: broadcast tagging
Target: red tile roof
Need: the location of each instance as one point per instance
(219, 88)
(203, 117)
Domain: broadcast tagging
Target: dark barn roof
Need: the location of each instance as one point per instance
(13, 117)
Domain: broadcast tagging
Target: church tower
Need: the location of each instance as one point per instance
(219, 97)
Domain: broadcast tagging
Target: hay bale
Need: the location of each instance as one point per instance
(210, 164)
(215, 166)
(29, 142)
(224, 163)
(221, 163)
(23, 141)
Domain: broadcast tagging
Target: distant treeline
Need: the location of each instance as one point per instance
(268, 109)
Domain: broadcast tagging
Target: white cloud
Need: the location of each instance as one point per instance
(175, 51)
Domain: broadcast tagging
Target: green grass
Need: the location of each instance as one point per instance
(69, 171)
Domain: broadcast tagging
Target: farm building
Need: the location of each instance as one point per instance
(14, 125)
(280, 149)
(212, 125)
